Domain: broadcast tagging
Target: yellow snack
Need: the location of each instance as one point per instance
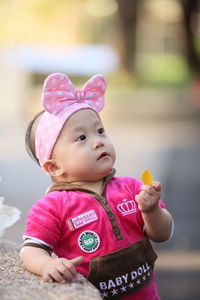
(147, 178)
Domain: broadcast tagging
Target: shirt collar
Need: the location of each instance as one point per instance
(65, 186)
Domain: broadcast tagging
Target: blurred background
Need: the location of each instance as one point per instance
(149, 50)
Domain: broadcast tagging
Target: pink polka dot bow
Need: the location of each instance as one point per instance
(60, 100)
(59, 93)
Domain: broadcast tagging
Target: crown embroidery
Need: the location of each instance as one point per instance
(127, 207)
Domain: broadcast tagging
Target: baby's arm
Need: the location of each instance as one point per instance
(158, 221)
(51, 269)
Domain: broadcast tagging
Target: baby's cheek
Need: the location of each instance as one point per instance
(113, 153)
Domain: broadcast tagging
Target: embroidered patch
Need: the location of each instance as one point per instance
(83, 219)
(127, 207)
(89, 241)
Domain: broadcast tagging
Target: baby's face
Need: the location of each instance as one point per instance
(83, 150)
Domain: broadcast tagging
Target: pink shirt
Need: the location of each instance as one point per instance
(62, 218)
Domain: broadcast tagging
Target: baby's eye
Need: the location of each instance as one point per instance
(101, 130)
(81, 138)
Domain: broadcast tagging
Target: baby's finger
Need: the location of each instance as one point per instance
(157, 186)
(68, 272)
(137, 197)
(147, 197)
(77, 261)
(141, 202)
(47, 278)
(71, 264)
(57, 276)
(53, 276)
(146, 204)
(148, 189)
(70, 275)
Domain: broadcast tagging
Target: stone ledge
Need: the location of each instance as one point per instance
(18, 284)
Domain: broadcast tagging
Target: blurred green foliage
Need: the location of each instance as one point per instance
(163, 69)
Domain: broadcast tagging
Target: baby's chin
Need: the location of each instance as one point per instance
(89, 177)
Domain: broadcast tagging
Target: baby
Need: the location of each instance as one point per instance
(97, 224)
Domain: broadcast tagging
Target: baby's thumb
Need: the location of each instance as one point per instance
(157, 186)
(77, 260)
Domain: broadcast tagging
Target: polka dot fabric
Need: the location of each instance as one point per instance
(60, 100)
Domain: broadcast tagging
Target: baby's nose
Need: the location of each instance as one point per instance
(98, 143)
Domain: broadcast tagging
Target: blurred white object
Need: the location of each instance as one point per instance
(8, 216)
(77, 60)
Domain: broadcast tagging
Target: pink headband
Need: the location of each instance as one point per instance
(60, 100)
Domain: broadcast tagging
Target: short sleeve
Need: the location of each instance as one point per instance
(44, 220)
(162, 204)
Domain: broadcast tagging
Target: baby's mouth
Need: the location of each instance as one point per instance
(103, 154)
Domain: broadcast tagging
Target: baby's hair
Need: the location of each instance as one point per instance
(30, 138)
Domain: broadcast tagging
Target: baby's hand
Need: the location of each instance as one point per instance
(148, 197)
(61, 269)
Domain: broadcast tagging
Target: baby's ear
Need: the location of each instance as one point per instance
(52, 168)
